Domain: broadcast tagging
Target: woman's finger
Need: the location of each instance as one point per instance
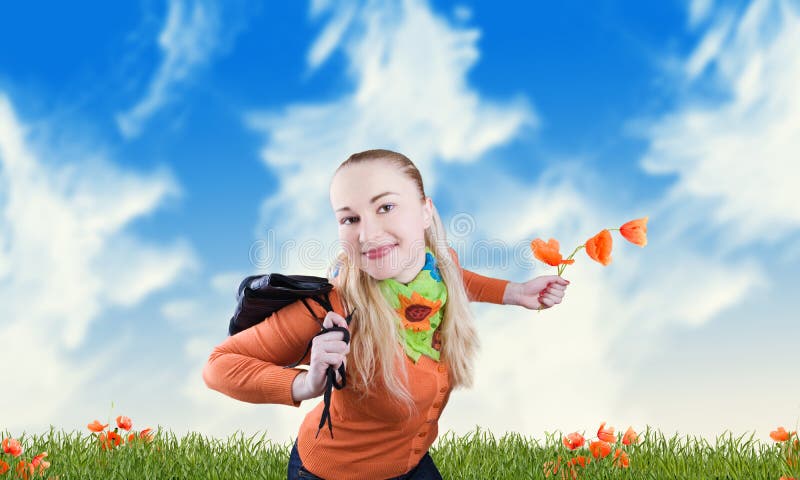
(555, 293)
(554, 298)
(336, 319)
(332, 358)
(334, 346)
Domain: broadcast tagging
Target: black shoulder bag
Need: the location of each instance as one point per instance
(259, 296)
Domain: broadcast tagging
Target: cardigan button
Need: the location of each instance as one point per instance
(422, 434)
(437, 405)
(417, 451)
(443, 389)
(442, 368)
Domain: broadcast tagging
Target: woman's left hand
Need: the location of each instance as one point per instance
(538, 293)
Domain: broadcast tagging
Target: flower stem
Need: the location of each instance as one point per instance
(563, 266)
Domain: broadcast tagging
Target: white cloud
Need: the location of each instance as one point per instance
(462, 13)
(189, 37)
(709, 48)
(65, 258)
(410, 93)
(736, 158)
(699, 10)
(332, 34)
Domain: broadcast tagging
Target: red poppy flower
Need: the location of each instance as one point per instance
(780, 435)
(548, 252)
(12, 446)
(124, 422)
(574, 440)
(600, 449)
(599, 247)
(97, 426)
(621, 458)
(606, 434)
(635, 231)
(629, 437)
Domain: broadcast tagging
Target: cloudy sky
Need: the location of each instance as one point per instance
(154, 153)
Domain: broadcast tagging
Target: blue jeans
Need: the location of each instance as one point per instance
(425, 469)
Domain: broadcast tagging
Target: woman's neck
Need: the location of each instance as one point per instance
(409, 275)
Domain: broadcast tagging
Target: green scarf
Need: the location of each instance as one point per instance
(419, 304)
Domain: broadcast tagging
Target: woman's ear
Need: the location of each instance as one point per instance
(427, 212)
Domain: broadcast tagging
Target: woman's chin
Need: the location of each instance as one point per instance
(379, 274)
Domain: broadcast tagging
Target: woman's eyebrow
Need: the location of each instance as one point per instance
(374, 199)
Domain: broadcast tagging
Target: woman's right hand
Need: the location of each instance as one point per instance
(328, 349)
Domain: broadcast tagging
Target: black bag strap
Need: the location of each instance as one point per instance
(330, 372)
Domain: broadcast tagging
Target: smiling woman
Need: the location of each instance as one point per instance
(412, 334)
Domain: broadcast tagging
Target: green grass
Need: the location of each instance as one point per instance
(476, 455)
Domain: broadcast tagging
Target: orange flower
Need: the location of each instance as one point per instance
(780, 435)
(600, 448)
(416, 312)
(548, 252)
(551, 467)
(12, 446)
(103, 441)
(621, 458)
(573, 440)
(629, 437)
(3, 467)
(606, 434)
(97, 426)
(573, 474)
(580, 460)
(38, 462)
(23, 469)
(38, 459)
(109, 440)
(635, 231)
(124, 422)
(145, 434)
(599, 247)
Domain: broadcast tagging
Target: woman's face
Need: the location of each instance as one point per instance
(370, 218)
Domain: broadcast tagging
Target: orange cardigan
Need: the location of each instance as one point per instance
(372, 438)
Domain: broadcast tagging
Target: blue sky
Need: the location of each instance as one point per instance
(148, 149)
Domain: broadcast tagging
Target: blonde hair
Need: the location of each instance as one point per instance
(375, 341)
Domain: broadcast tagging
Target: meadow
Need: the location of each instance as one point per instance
(107, 454)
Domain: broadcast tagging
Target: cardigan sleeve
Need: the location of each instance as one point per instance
(248, 366)
(480, 288)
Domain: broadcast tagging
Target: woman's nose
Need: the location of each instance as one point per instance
(370, 231)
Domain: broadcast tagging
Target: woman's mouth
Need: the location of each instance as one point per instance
(379, 252)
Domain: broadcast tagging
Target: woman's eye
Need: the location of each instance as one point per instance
(345, 220)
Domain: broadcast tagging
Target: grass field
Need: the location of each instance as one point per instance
(476, 455)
